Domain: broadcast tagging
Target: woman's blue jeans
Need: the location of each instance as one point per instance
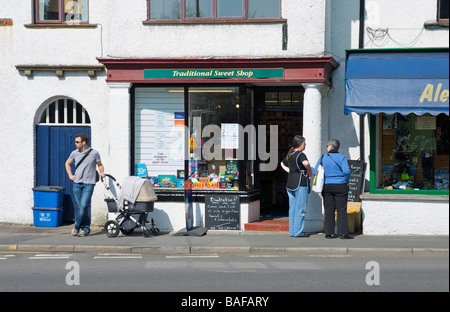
(297, 210)
(83, 193)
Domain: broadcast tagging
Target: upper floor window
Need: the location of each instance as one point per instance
(443, 11)
(61, 11)
(213, 10)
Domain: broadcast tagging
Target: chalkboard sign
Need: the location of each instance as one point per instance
(356, 179)
(222, 212)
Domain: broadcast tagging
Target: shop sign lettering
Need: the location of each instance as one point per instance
(433, 93)
(263, 73)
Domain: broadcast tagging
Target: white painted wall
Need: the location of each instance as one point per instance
(406, 217)
(22, 98)
(128, 37)
(315, 27)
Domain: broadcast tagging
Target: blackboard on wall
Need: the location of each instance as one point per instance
(222, 212)
(357, 168)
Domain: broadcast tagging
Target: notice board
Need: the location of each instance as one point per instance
(357, 168)
(222, 212)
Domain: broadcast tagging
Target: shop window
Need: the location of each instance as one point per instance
(190, 11)
(443, 11)
(214, 138)
(159, 135)
(413, 152)
(212, 152)
(61, 11)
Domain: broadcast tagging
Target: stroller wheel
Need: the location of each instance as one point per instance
(147, 233)
(155, 231)
(112, 228)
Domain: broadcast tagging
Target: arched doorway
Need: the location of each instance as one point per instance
(57, 123)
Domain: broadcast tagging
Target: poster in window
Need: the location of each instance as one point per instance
(426, 123)
(230, 136)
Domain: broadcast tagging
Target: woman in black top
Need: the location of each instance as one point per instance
(297, 165)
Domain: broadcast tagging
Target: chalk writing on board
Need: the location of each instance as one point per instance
(356, 180)
(222, 212)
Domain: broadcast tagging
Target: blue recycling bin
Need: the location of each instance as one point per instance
(48, 206)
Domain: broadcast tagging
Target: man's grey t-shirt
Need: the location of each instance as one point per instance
(86, 171)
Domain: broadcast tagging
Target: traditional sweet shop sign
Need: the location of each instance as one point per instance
(245, 73)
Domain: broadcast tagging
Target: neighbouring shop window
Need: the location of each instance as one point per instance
(209, 10)
(413, 152)
(443, 11)
(61, 11)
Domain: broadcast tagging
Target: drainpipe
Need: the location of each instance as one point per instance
(362, 9)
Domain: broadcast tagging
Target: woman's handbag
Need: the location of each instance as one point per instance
(319, 177)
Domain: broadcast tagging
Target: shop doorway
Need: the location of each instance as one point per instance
(57, 126)
(284, 108)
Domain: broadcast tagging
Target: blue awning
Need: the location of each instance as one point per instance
(397, 81)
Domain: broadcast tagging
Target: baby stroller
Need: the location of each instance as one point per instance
(131, 212)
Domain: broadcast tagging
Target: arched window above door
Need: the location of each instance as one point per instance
(64, 111)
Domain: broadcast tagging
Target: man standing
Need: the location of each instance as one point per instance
(85, 159)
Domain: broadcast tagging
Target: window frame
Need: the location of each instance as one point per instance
(213, 19)
(375, 132)
(439, 19)
(245, 116)
(61, 15)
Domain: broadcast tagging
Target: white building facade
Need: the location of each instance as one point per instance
(136, 74)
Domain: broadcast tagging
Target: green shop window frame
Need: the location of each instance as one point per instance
(374, 168)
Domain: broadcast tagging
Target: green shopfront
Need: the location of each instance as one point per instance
(405, 93)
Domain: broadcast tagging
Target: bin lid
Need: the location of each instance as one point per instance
(45, 188)
(48, 209)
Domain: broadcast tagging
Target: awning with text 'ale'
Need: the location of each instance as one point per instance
(397, 81)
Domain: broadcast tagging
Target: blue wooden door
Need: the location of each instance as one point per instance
(53, 146)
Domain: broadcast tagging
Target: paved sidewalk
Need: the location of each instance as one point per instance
(25, 238)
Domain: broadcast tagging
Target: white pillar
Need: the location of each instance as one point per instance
(314, 129)
(119, 130)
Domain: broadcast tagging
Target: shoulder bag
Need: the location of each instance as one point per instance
(319, 178)
(97, 175)
(337, 164)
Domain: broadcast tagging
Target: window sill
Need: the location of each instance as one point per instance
(436, 25)
(402, 196)
(78, 26)
(198, 195)
(219, 21)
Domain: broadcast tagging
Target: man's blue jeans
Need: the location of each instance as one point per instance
(83, 193)
(297, 210)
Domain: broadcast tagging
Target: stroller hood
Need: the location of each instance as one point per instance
(146, 194)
